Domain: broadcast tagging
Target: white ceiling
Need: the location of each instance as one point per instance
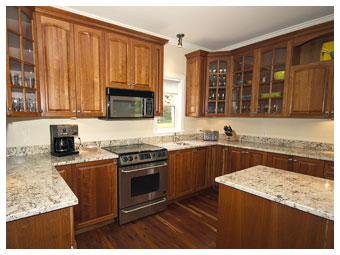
(210, 28)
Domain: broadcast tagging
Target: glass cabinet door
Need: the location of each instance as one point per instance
(241, 89)
(217, 84)
(21, 69)
(271, 81)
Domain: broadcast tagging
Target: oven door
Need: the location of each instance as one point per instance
(141, 183)
(126, 107)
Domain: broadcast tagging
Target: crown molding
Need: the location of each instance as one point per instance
(172, 41)
(283, 31)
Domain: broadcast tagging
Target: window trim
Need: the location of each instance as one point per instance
(179, 109)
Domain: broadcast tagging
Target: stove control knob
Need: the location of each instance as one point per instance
(130, 158)
(125, 159)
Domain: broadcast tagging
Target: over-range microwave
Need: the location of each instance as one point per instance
(125, 103)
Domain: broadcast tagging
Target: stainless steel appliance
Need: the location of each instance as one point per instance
(62, 139)
(123, 103)
(142, 180)
(210, 135)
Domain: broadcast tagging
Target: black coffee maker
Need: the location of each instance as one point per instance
(62, 139)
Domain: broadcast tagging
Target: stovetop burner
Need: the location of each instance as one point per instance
(132, 148)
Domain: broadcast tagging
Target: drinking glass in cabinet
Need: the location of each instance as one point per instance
(31, 101)
(265, 74)
(220, 107)
(211, 108)
(213, 67)
(212, 94)
(235, 107)
(235, 94)
(245, 107)
(12, 18)
(17, 99)
(237, 79)
(222, 66)
(222, 81)
(221, 94)
(212, 80)
(276, 106)
(29, 76)
(26, 25)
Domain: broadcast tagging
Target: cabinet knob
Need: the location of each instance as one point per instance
(332, 112)
(326, 112)
(78, 111)
(133, 84)
(41, 111)
(290, 159)
(74, 111)
(294, 160)
(225, 149)
(9, 108)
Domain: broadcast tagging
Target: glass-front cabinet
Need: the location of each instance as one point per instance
(217, 82)
(242, 82)
(22, 87)
(272, 81)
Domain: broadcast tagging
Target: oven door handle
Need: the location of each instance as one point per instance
(136, 209)
(144, 168)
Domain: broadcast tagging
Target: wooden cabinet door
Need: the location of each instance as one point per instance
(56, 67)
(280, 161)
(66, 172)
(328, 171)
(117, 54)
(89, 64)
(173, 164)
(158, 63)
(235, 160)
(308, 166)
(184, 174)
(195, 77)
(255, 158)
(225, 161)
(141, 65)
(215, 163)
(201, 167)
(309, 88)
(96, 191)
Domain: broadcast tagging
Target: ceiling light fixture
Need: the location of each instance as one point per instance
(180, 36)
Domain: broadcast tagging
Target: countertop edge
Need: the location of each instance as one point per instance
(276, 199)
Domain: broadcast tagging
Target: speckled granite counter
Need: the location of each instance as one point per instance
(294, 151)
(309, 194)
(34, 186)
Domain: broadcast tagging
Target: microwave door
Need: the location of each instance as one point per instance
(126, 107)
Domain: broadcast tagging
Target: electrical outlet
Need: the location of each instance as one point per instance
(264, 133)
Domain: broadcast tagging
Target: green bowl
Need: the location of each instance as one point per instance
(264, 95)
(280, 75)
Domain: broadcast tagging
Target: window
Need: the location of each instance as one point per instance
(171, 121)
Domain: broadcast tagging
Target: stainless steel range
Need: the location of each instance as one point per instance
(142, 180)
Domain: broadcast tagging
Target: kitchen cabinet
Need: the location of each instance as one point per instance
(89, 70)
(236, 159)
(243, 68)
(215, 162)
(22, 81)
(70, 58)
(195, 83)
(272, 80)
(66, 172)
(51, 230)
(158, 67)
(200, 160)
(296, 164)
(216, 85)
(95, 185)
(328, 171)
(129, 63)
(173, 164)
(184, 173)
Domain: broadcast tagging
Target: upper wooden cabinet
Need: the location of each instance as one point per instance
(22, 81)
(195, 83)
(216, 85)
(129, 63)
(71, 68)
(242, 84)
(158, 67)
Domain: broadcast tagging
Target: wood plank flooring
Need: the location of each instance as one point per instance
(189, 223)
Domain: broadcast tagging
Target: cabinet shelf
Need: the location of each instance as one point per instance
(21, 61)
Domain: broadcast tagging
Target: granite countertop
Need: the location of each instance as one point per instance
(303, 192)
(294, 151)
(34, 186)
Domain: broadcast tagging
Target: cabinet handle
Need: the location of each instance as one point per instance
(133, 84)
(245, 152)
(290, 159)
(74, 111)
(326, 112)
(9, 108)
(78, 111)
(41, 111)
(332, 112)
(225, 149)
(294, 160)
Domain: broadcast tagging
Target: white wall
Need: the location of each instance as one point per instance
(35, 131)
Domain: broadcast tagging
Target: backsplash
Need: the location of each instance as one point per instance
(28, 150)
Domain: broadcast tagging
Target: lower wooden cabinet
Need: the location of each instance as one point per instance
(184, 174)
(200, 160)
(215, 162)
(296, 164)
(51, 230)
(95, 185)
(328, 171)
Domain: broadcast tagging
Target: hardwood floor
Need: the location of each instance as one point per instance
(189, 223)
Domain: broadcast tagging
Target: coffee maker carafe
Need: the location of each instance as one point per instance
(62, 139)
